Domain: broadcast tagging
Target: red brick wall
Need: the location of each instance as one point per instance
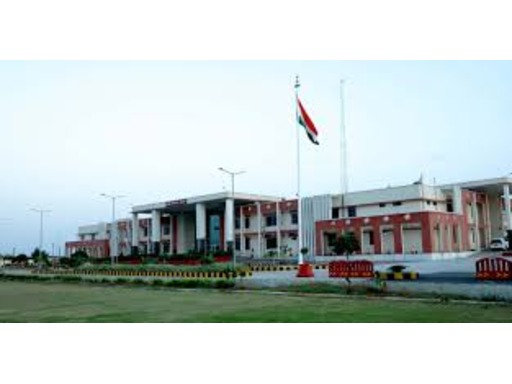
(428, 220)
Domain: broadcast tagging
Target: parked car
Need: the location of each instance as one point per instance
(499, 244)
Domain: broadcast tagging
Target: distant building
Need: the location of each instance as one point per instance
(415, 218)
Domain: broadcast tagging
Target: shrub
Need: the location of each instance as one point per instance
(69, 278)
(158, 282)
(207, 259)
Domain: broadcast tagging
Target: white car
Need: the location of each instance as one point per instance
(499, 244)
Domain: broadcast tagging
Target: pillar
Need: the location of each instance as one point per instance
(174, 246)
(229, 223)
(508, 218)
(242, 238)
(258, 209)
(200, 226)
(278, 229)
(487, 221)
(398, 238)
(476, 216)
(426, 234)
(377, 239)
(135, 234)
(155, 231)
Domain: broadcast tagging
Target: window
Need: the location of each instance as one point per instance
(382, 205)
(166, 230)
(247, 222)
(295, 217)
(145, 231)
(435, 203)
(397, 203)
(352, 212)
(271, 220)
(166, 247)
(247, 243)
(93, 236)
(237, 244)
(449, 205)
(237, 222)
(335, 213)
(271, 243)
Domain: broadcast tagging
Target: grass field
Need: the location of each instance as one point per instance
(57, 302)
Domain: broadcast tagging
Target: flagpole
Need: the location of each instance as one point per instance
(299, 204)
(343, 150)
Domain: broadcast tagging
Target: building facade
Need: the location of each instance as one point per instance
(410, 219)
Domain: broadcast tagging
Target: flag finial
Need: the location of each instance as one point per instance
(297, 82)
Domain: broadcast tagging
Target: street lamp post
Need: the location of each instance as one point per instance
(41, 226)
(232, 174)
(113, 238)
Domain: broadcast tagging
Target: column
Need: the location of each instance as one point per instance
(200, 226)
(377, 239)
(508, 218)
(487, 220)
(258, 209)
(155, 231)
(229, 223)
(477, 222)
(426, 234)
(398, 238)
(171, 234)
(242, 238)
(278, 229)
(181, 234)
(174, 246)
(135, 234)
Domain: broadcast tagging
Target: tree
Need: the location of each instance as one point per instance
(78, 258)
(40, 257)
(346, 244)
(21, 259)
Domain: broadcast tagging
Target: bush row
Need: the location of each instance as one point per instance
(162, 268)
(190, 283)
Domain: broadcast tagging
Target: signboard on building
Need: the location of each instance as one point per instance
(174, 203)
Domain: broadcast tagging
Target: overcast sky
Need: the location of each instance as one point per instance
(159, 130)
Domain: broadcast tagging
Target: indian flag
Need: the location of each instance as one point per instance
(307, 123)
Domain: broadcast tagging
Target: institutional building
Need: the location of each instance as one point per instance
(409, 219)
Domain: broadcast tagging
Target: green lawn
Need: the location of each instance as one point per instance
(57, 302)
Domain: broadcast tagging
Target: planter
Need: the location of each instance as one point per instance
(222, 259)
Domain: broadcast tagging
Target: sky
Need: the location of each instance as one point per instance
(155, 131)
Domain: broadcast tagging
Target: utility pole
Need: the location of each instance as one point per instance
(233, 174)
(41, 226)
(113, 229)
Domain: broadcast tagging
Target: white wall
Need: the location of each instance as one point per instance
(99, 230)
(389, 209)
(407, 192)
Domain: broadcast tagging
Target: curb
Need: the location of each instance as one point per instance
(179, 274)
(281, 268)
(397, 275)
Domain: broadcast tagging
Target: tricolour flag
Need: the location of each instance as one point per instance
(307, 123)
